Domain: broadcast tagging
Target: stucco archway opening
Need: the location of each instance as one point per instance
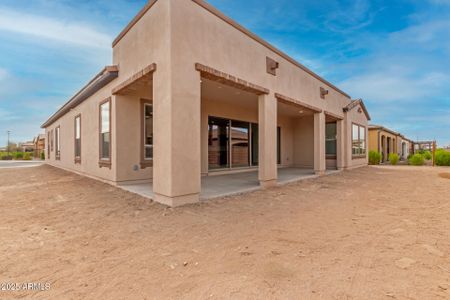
(229, 138)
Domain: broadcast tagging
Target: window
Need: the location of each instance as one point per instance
(77, 141)
(57, 143)
(105, 133)
(330, 139)
(358, 140)
(52, 139)
(146, 133)
(48, 144)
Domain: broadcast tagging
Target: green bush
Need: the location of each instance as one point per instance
(42, 155)
(18, 155)
(427, 155)
(374, 158)
(27, 156)
(417, 160)
(393, 158)
(442, 158)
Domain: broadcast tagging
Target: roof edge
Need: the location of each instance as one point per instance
(237, 26)
(104, 77)
(133, 22)
(260, 40)
(355, 103)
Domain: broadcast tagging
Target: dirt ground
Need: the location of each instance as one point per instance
(370, 233)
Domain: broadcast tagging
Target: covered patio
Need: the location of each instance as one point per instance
(218, 186)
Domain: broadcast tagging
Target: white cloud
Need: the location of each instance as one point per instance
(53, 29)
(429, 35)
(388, 86)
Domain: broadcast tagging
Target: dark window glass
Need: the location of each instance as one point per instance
(255, 144)
(279, 145)
(148, 131)
(218, 143)
(330, 138)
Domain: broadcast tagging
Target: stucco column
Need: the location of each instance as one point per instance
(319, 143)
(177, 100)
(340, 142)
(267, 120)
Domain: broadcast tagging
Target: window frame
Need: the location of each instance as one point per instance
(251, 135)
(58, 143)
(52, 140)
(49, 138)
(77, 159)
(104, 162)
(359, 155)
(145, 162)
(332, 156)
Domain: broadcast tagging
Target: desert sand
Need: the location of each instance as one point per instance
(369, 233)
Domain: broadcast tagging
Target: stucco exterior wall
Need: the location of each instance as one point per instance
(89, 111)
(199, 36)
(374, 141)
(304, 142)
(147, 42)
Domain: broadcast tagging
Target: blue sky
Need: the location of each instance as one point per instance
(393, 54)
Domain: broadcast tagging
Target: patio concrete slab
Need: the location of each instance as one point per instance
(217, 186)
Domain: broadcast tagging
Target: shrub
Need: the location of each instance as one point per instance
(374, 158)
(393, 158)
(42, 155)
(417, 160)
(442, 158)
(27, 156)
(18, 155)
(427, 155)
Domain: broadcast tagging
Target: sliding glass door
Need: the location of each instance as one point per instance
(218, 143)
(234, 144)
(240, 148)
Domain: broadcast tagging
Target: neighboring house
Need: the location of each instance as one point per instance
(191, 93)
(39, 145)
(387, 141)
(27, 146)
(405, 147)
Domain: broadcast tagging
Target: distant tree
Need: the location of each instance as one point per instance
(12, 147)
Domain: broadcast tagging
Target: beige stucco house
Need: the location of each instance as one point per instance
(191, 93)
(387, 141)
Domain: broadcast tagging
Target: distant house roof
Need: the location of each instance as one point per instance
(39, 137)
(99, 81)
(379, 127)
(355, 103)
